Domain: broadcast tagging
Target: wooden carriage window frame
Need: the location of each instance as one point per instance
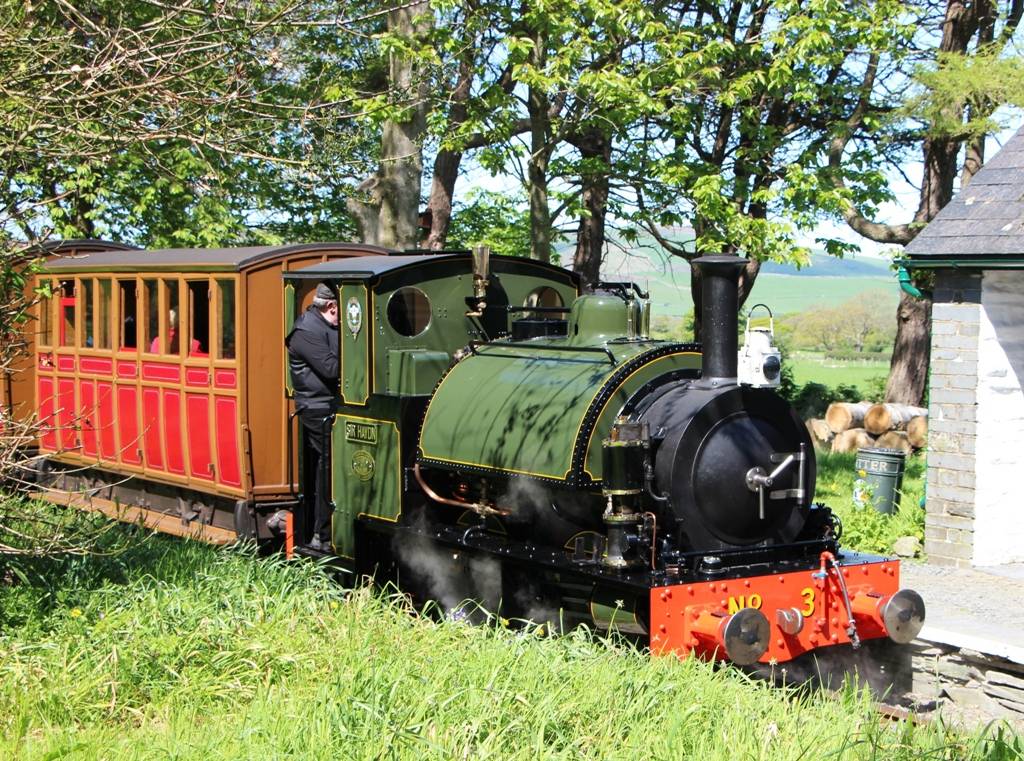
(62, 342)
(216, 326)
(103, 321)
(86, 288)
(145, 305)
(45, 334)
(186, 338)
(117, 335)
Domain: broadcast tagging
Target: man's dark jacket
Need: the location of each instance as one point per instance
(313, 361)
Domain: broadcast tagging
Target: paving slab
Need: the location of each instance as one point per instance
(978, 608)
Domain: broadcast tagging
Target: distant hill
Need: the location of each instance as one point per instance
(827, 280)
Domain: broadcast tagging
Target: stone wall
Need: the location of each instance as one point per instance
(975, 419)
(952, 418)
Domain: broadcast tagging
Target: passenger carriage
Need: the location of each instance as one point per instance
(167, 366)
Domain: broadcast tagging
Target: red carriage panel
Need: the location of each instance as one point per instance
(161, 371)
(107, 419)
(87, 417)
(128, 425)
(228, 470)
(172, 431)
(48, 437)
(151, 428)
(96, 365)
(66, 417)
(200, 461)
(224, 378)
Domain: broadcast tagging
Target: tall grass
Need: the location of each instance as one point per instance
(176, 650)
(863, 527)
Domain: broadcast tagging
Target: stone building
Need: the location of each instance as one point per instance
(975, 247)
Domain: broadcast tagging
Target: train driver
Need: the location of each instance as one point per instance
(313, 363)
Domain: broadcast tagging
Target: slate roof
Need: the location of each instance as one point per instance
(985, 220)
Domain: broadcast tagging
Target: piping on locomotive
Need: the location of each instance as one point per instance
(487, 409)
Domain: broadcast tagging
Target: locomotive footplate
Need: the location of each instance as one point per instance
(778, 617)
(767, 612)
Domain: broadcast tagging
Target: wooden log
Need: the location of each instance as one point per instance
(890, 417)
(895, 440)
(821, 434)
(917, 431)
(842, 416)
(852, 440)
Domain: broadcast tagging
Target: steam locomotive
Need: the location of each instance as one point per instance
(498, 434)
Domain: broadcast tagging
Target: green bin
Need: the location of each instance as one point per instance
(879, 479)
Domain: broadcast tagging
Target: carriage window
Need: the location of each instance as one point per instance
(129, 323)
(46, 316)
(67, 312)
(151, 338)
(199, 305)
(226, 326)
(173, 343)
(409, 311)
(88, 339)
(103, 314)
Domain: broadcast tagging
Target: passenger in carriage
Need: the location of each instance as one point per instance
(313, 361)
(172, 338)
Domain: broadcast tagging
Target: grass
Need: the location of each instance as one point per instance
(864, 528)
(176, 650)
(811, 366)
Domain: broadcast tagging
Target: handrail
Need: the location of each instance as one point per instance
(473, 345)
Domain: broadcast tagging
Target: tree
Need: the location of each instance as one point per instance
(747, 97)
(388, 215)
(953, 112)
(157, 123)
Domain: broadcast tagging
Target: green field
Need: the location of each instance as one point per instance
(782, 293)
(811, 366)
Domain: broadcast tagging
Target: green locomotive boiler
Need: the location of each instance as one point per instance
(502, 435)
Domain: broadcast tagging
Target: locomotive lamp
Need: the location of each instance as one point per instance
(481, 274)
(760, 362)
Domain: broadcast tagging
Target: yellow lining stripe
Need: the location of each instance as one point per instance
(579, 428)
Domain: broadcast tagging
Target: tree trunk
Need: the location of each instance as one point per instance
(446, 164)
(389, 216)
(908, 369)
(538, 105)
(596, 150)
(537, 175)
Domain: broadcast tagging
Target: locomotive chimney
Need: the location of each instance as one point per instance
(718, 316)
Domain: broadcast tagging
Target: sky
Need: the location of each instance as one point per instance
(900, 210)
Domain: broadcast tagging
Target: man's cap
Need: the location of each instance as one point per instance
(324, 291)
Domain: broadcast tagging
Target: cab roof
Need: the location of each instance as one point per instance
(373, 267)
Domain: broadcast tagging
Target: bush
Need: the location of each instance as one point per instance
(812, 399)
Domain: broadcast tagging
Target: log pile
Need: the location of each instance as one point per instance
(849, 426)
